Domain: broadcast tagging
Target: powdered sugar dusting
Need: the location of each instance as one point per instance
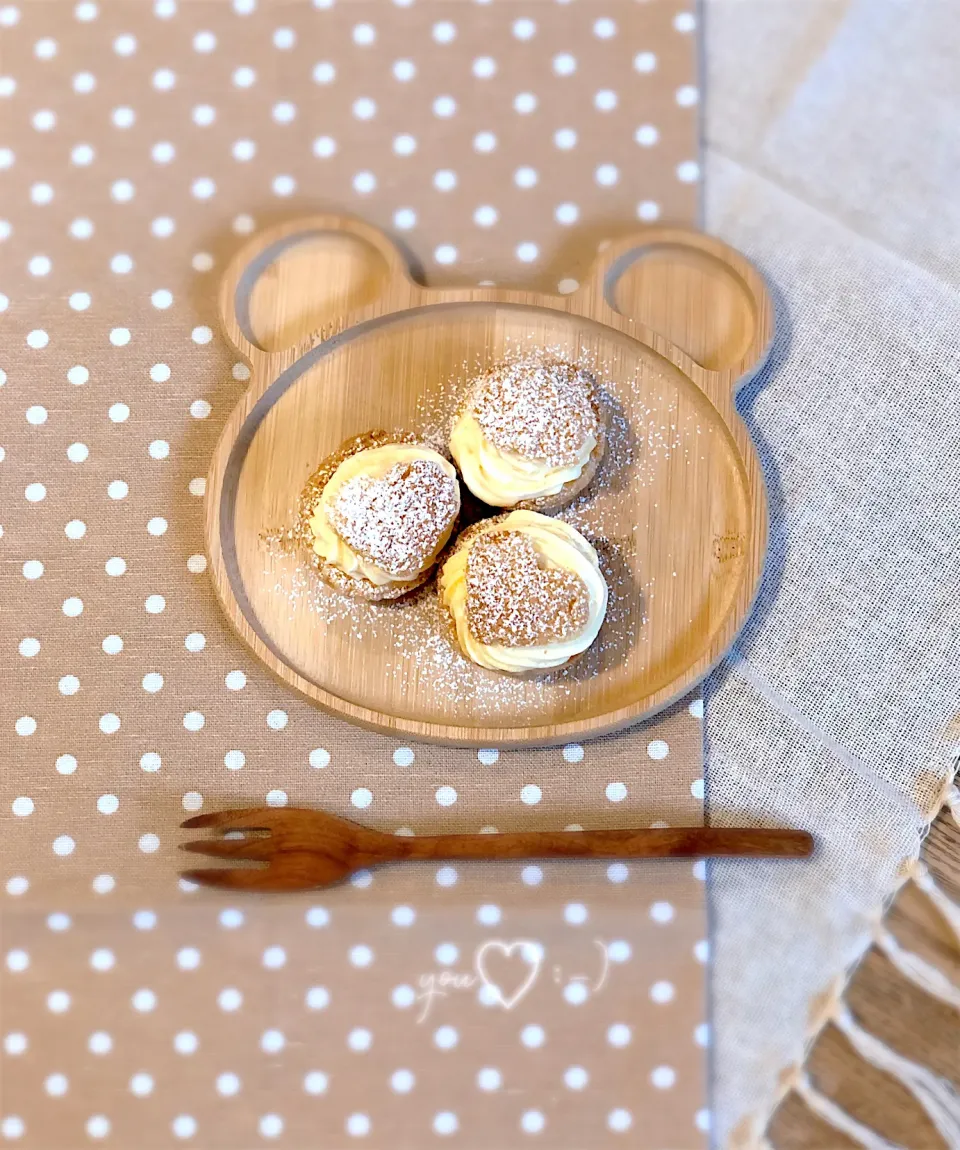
(397, 520)
(538, 407)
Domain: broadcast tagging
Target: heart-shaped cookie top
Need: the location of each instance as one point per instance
(513, 601)
(398, 520)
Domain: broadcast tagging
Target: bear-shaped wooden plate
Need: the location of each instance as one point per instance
(340, 341)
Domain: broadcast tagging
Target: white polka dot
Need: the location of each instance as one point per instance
(531, 876)
(99, 1042)
(44, 120)
(524, 29)
(359, 1039)
(284, 39)
(364, 183)
(688, 172)
(364, 34)
(120, 264)
(401, 1081)
(98, 1126)
(605, 100)
(103, 883)
(532, 1121)
(446, 1037)
(244, 77)
(32, 569)
(361, 797)
(119, 336)
(229, 999)
(17, 961)
(645, 62)
(525, 103)
(575, 993)
(25, 725)
(102, 959)
(530, 794)
(446, 796)
(532, 1036)
(234, 760)
(144, 920)
(358, 1125)
(227, 1084)
(700, 870)
(446, 876)
(195, 641)
(81, 229)
(364, 108)
(77, 452)
(270, 1126)
(81, 155)
(192, 801)
(526, 178)
(15, 1043)
(37, 339)
(201, 262)
(564, 64)
(148, 843)
(272, 1041)
(662, 992)
(445, 181)
(566, 213)
(661, 912)
(360, 955)
(607, 175)
(619, 950)
(604, 28)
(154, 604)
(108, 804)
(277, 720)
(702, 1120)
(648, 211)
(317, 998)
(658, 749)
(29, 647)
(404, 219)
(58, 1001)
(17, 886)
(66, 764)
(403, 756)
(663, 1077)
(444, 107)
(404, 70)
(186, 1042)
(404, 145)
(39, 265)
(488, 914)
(184, 1126)
(274, 957)
(72, 607)
(87, 10)
(696, 788)
(319, 757)
(231, 918)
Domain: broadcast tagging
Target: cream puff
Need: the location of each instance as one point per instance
(524, 593)
(377, 513)
(531, 434)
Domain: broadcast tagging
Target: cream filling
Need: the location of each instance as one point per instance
(375, 462)
(504, 478)
(557, 545)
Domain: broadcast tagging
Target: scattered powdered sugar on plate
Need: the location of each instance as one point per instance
(412, 636)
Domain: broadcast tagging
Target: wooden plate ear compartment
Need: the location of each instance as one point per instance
(296, 285)
(697, 294)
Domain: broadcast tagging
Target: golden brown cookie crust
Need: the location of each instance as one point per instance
(355, 586)
(449, 625)
(547, 504)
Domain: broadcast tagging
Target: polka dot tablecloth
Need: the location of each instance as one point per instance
(480, 1005)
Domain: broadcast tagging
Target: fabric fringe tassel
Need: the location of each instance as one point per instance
(952, 802)
(838, 1118)
(920, 972)
(937, 1096)
(917, 871)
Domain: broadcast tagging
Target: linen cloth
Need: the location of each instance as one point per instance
(832, 163)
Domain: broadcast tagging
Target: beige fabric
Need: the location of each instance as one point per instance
(137, 142)
(828, 164)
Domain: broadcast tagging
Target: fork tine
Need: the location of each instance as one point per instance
(262, 850)
(246, 878)
(250, 818)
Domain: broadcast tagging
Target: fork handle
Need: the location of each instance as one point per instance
(653, 842)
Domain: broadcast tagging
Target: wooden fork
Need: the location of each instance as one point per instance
(305, 849)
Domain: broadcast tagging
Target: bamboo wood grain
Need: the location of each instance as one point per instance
(340, 340)
(309, 848)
